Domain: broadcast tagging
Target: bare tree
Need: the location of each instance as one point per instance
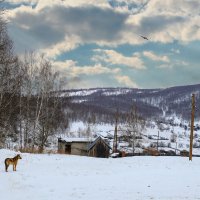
(30, 104)
(50, 114)
(28, 98)
(10, 83)
(134, 125)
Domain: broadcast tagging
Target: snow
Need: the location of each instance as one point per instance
(116, 91)
(85, 92)
(106, 92)
(101, 129)
(51, 177)
(70, 139)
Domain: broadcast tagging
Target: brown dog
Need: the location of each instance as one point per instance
(12, 161)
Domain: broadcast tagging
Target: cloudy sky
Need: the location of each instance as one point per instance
(98, 43)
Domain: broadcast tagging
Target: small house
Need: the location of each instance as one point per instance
(95, 147)
(99, 148)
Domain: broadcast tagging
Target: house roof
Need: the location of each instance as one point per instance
(97, 139)
(70, 139)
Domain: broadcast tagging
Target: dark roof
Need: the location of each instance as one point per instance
(93, 144)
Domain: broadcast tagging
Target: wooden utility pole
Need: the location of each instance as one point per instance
(192, 126)
(115, 134)
(157, 140)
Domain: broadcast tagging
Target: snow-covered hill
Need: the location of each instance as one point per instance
(52, 177)
(151, 103)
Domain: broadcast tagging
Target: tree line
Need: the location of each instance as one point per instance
(30, 110)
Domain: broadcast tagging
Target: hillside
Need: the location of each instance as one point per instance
(151, 103)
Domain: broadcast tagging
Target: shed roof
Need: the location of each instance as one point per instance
(70, 139)
(95, 141)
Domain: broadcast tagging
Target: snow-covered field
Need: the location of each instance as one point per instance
(63, 177)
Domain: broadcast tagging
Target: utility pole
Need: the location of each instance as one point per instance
(157, 140)
(115, 134)
(192, 126)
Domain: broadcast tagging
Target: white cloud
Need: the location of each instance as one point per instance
(166, 21)
(22, 1)
(153, 56)
(125, 80)
(74, 3)
(115, 58)
(71, 68)
(92, 70)
(94, 21)
(175, 63)
(44, 3)
(130, 6)
(53, 26)
(68, 44)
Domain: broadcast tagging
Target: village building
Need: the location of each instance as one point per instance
(94, 147)
(99, 148)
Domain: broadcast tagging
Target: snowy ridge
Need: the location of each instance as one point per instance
(103, 91)
(82, 92)
(150, 102)
(116, 92)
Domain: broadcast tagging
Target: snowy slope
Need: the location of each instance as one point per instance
(61, 177)
(151, 103)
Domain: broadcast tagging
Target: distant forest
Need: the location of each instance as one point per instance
(150, 103)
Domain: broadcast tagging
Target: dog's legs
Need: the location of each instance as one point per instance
(6, 167)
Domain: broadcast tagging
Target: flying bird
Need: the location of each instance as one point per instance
(145, 38)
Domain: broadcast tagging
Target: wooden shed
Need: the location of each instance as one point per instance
(95, 147)
(74, 146)
(99, 148)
